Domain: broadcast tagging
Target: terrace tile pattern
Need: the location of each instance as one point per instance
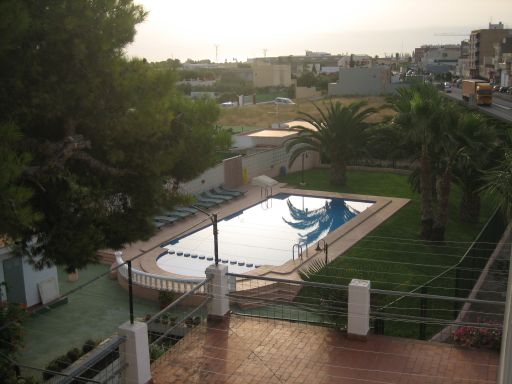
(250, 351)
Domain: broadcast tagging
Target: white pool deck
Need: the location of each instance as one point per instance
(340, 240)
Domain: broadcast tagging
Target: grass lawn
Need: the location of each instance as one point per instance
(93, 312)
(392, 256)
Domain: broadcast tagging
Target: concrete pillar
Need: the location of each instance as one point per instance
(135, 352)
(218, 288)
(358, 308)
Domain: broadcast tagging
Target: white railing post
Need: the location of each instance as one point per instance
(218, 288)
(135, 353)
(358, 308)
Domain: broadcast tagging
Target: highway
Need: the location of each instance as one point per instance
(501, 107)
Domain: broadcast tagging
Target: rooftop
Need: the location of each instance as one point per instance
(272, 133)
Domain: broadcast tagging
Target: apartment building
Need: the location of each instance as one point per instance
(437, 58)
(482, 50)
(503, 62)
(271, 75)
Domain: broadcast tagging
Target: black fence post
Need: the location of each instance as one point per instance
(457, 285)
(130, 293)
(378, 326)
(423, 313)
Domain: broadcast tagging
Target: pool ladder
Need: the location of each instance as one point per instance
(300, 249)
(267, 193)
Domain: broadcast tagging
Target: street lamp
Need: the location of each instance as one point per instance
(325, 248)
(213, 218)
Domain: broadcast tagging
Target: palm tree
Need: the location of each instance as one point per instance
(452, 144)
(498, 181)
(476, 158)
(418, 116)
(337, 135)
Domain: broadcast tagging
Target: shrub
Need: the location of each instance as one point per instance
(478, 337)
(74, 354)
(155, 351)
(88, 346)
(165, 298)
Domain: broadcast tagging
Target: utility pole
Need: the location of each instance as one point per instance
(216, 53)
(265, 52)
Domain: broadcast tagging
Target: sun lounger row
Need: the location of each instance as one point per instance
(205, 200)
(216, 196)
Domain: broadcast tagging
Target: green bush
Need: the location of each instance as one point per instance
(165, 298)
(74, 354)
(88, 346)
(155, 351)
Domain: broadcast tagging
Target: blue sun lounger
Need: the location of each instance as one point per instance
(158, 224)
(166, 219)
(203, 199)
(210, 195)
(233, 191)
(220, 191)
(186, 209)
(177, 214)
(204, 204)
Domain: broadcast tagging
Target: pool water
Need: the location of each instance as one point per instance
(263, 234)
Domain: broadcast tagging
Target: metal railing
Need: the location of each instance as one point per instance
(164, 330)
(327, 304)
(158, 282)
(463, 274)
(102, 365)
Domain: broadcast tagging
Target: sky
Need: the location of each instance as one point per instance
(222, 30)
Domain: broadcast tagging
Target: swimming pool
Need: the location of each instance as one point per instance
(263, 234)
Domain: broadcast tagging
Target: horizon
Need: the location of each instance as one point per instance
(368, 27)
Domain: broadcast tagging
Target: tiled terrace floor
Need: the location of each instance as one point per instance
(248, 350)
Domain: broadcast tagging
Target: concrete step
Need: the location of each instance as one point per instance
(106, 257)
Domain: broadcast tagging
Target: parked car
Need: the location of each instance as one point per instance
(447, 87)
(503, 89)
(496, 88)
(228, 104)
(283, 100)
(509, 91)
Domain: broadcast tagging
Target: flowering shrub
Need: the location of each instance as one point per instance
(477, 337)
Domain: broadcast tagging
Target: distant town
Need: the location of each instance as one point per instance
(486, 54)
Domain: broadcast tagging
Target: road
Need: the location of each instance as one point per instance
(501, 107)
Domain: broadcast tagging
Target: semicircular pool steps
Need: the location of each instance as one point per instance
(188, 262)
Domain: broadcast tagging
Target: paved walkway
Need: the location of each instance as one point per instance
(247, 350)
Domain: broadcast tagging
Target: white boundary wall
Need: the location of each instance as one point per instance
(268, 162)
(211, 178)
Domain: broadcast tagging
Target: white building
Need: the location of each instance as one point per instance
(22, 283)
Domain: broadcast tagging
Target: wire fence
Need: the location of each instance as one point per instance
(102, 365)
(171, 324)
(296, 301)
(457, 281)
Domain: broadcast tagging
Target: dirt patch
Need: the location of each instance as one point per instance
(263, 115)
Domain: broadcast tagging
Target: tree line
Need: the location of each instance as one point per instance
(88, 137)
